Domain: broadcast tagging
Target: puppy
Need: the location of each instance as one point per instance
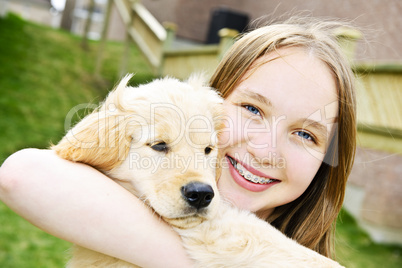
(159, 141)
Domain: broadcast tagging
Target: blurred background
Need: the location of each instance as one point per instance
(56, 54)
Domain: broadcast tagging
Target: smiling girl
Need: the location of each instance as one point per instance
(288, 144)
(290, 140)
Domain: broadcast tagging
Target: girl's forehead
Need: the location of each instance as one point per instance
(290, 79)
(291, 68)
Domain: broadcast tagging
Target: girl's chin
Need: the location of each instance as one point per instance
(242, 199)
(237, 197)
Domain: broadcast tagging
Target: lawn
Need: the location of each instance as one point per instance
(43, 74)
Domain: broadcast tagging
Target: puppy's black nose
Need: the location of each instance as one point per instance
(197, 194)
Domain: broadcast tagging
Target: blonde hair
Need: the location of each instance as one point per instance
(310, 218)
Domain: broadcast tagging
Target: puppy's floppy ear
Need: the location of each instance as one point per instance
(102, 139)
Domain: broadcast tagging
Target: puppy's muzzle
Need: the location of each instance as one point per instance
(197, 194)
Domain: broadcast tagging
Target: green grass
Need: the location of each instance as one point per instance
(22, 245)
(355, 249)
(43, 74)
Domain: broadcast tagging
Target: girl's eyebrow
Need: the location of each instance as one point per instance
(256, 96)
(321, 129)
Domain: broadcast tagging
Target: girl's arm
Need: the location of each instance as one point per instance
(79, 204)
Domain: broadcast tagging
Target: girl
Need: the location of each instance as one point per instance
(289, 145)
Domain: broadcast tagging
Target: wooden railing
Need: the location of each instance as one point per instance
(379, 94)
(147, 33)
(156, 43)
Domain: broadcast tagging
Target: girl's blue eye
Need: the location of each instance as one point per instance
(252, 109)
(304, 135)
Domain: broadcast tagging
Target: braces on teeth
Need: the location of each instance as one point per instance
(248, 175)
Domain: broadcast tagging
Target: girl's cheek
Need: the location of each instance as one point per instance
(302, 166)
(224, 140)
(233, 131)
(316, 155)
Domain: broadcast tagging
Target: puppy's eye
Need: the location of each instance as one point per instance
(160, 147)
(208, 150)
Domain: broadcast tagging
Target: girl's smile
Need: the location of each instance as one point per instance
(248, 177)
(280, 118)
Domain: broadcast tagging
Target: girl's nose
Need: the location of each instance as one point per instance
(265, 147)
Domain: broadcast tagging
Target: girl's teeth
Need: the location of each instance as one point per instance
(249, 176)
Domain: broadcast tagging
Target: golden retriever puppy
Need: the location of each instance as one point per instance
(159, 141)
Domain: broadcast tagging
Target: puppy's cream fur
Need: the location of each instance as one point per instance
(130, 127)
